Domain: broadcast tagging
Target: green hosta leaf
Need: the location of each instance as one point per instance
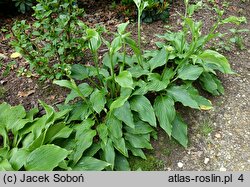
(92, 150)
(136, 151)
(30, 114)
(118, 102)
(84, 138)
(121, 163)
(10, 116)
(180, 131)
(109, 153)
(142, 90)
(94, 39)
(90, 164)
(4, 135)
(102, 131)
(124, 79)
(19, 158)
(57, 131)
(137, 71)
(213, 57)
(107, 59)
(180, 94)
(124, 114)
(84, 88)
(4, 152)
(45, 158)
(155, 83)
(98, 100)
(211, 84)
(79, 72)
(64, 166)
(133, 46)
(5, 165)
(138, 141)
(203, 103)
(190, 72)
(143, 106)
(116, 44)
(121, 28)
(38, 141)
(83, 142)
(140, 127)
(114, 126)
(168, 74)
(64, 83)
(159, 60)
(165, 112)
(119, 144)
(80, 111)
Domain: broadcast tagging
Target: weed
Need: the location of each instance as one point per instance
(8, 68)
(206, 128)
(2, 92)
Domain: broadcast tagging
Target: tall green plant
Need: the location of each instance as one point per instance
(134, 93)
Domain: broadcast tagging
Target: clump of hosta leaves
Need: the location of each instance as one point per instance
(53, 40)
(32, 142)
(127, 96)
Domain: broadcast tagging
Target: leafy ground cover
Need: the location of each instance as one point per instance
(28, 94)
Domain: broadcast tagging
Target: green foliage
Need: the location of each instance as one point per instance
(206, 128)
(22, 6)
(128, 95)
(2, 92)
(54, 40)
(115, 106)
(155, 10)
(50, 137)
(236, 39)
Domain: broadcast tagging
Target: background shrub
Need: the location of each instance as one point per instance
(22, 6)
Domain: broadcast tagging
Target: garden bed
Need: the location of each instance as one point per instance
(219, 138)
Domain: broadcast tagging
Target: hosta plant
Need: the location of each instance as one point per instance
(36, 143)
(125, 97)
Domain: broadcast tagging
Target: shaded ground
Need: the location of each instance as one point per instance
(219, 139)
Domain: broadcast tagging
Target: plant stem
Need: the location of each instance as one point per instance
(124, 57)
(95, 54)
(112, 75)
(83, 97)
(139, 30)
(139, 36)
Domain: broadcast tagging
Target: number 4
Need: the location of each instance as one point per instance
(241, 178)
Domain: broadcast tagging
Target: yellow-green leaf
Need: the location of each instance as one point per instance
(15, 55)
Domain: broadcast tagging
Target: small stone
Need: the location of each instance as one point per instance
(217, 135)
(206, 160)
(223, 169)
(180, 165)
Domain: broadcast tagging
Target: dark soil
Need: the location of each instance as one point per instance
(219, 139)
